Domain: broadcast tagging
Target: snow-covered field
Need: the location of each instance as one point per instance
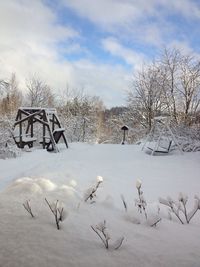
(66, 176)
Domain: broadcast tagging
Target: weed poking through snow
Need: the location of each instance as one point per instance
(57, 210)
(27, 207)
(179, 207)
(141, 204)
(102, 232)
(90, 193)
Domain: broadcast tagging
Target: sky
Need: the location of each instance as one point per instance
(92, 45)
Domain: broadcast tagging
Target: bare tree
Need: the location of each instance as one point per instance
(39, 93)
(169, 63)
(11, 97)
(170, 86)
(146, 94)
(189, 87)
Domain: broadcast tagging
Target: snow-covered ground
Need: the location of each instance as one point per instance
(66, 176)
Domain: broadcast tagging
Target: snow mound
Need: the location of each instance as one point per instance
(27, 185)
(45, 184)
(68, 190)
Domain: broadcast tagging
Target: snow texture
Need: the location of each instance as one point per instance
(65, 176)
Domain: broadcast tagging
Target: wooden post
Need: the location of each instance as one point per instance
(43, 131)
(31, 127)
(53, 122)
(20, 130)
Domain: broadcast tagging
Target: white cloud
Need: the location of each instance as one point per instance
(184, 47)
(108, 13)
(28, 45)
(143, 20)
(108, 82)
(112, 45)
(188, 8)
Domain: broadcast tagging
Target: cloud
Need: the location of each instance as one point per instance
(112, 45)
(142, 21)
(30, 45)
(185, 48)
(108, 13)
(29, 35)
(187, 8)
(35, 41)
(107, 81)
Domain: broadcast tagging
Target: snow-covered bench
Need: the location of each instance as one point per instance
(26, 140)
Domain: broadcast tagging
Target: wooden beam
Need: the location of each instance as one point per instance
(28, 117)
(50, 133)
(31, 116)
(20, 131)
(43, 131)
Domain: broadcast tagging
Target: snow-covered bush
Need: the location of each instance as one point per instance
(101, 230)
(9, 151)
(189, 137)
(90, 193)
(57, 209)
(6, 124)
(179, 208)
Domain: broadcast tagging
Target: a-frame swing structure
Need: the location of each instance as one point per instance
(23, 130)
(161, 138)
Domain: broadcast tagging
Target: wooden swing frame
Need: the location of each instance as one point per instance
(50, 125)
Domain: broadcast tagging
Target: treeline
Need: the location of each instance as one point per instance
(168, 86)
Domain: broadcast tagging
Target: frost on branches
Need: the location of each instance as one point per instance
(102, 232)
(90, 193)
(179, 207)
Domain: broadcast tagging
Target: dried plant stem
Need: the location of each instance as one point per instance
(91, 195)
(120, 243)
(55, 212)
(124, 202)
(142, 203)
(105, 242)
(173, 210)
(192, 215)
(27, 207)
(155, 223)
(185, 212)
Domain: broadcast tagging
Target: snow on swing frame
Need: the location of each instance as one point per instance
(50, 124)
(156, 146)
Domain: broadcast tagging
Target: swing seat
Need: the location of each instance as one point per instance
(161, 149)
(57, 134)
(26, 140)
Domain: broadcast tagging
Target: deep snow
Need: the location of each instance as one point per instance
(66, 176)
